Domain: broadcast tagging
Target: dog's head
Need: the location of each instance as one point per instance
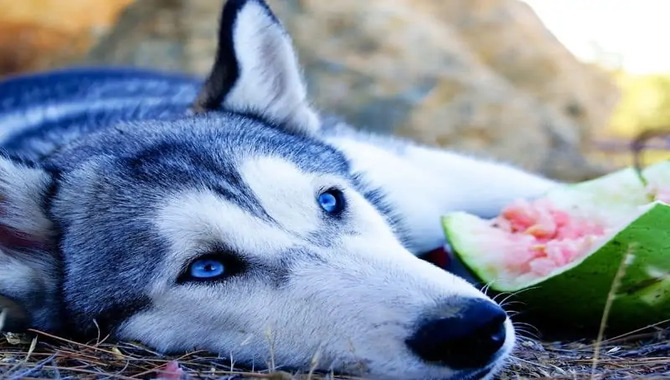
(238, 231)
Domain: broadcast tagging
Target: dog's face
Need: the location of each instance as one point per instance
(242, 234)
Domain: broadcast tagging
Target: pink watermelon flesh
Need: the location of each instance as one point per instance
(539, 238)
(544, 238)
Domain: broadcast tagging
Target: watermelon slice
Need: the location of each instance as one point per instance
(565, 250)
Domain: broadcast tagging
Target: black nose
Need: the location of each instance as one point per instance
(463, 334)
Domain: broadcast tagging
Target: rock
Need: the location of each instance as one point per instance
(38, 34)
(480, 76)
(509, 38)
(163, 34)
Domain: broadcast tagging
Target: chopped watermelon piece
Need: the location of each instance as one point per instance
(565, 248)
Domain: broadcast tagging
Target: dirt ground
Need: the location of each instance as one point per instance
(642, 354)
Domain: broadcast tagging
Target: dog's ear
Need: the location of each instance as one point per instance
(29, 269)
(256, 70)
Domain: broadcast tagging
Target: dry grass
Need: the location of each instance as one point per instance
(641, 354)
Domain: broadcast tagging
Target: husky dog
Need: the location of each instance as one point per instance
(228, 215)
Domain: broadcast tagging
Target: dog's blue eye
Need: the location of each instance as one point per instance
(206, 269)
(331, 201)
(213, 267)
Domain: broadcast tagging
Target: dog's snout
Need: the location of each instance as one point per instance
(463, 334)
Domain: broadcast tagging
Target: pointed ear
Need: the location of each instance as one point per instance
(256, 70)
(29, 269)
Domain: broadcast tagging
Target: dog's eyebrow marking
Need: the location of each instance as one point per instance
(286, 193)
(196, 218)
(188, 165)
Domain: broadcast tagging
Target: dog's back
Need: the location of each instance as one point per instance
(39, 113)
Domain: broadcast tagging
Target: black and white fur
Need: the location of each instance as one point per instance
(112, 181)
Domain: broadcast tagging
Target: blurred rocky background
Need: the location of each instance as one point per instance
(480, 76)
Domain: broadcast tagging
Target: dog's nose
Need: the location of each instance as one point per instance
(463, 334)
